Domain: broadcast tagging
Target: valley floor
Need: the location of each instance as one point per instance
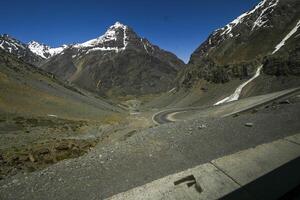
(142, 152)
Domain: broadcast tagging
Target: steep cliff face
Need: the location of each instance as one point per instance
(117, 63)
(236, 50)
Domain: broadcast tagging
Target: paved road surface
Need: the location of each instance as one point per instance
(167, 116)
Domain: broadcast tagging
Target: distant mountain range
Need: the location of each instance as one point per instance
(116, 63)
(33, 52)
(121, 63)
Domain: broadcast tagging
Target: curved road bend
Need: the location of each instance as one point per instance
(167, 116)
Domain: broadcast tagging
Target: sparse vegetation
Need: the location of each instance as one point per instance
(39, 155)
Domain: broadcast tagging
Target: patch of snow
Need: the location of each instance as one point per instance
(125, 38)
(110, 35)
(103, 49)
(58, 50)
(235, 96)
(10, 45)
(145, 47)
(240, 19)
(37, 48)
(1, 45)
(209, 41)
(282, 43)
(259, 22)
(44, 51)
(14, 45)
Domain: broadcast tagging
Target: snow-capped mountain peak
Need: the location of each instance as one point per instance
(10, 44)
(38, 49)
(19, 49)
(33, 48)
(118, 25)
(114, 39)
(44, 51)
(117, 38)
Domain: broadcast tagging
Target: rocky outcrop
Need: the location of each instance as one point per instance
(284, 64)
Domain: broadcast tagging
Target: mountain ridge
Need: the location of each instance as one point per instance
(237, 49)
(32, 52)
(117, 63)
(43, 50)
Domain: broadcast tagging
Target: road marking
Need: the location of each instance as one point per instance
(213, 185)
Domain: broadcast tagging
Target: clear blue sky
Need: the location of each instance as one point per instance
(178, 26)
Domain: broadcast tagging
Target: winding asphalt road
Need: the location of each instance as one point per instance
(167, 116)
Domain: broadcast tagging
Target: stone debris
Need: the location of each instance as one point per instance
(31, 158)
(202, 126)
(249, 124)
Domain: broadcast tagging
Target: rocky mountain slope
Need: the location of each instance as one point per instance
(43, 120)
(33, 52)
(19, 49)
(27, 90)
(117, 63)
(227, 66)
(236, 50)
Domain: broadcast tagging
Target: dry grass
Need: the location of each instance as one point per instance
(113, 119)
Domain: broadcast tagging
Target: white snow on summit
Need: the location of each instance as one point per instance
(36, 48)
(57, 50)
(43, 50)
(10, 44)
(260, 21)
(110, 35)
